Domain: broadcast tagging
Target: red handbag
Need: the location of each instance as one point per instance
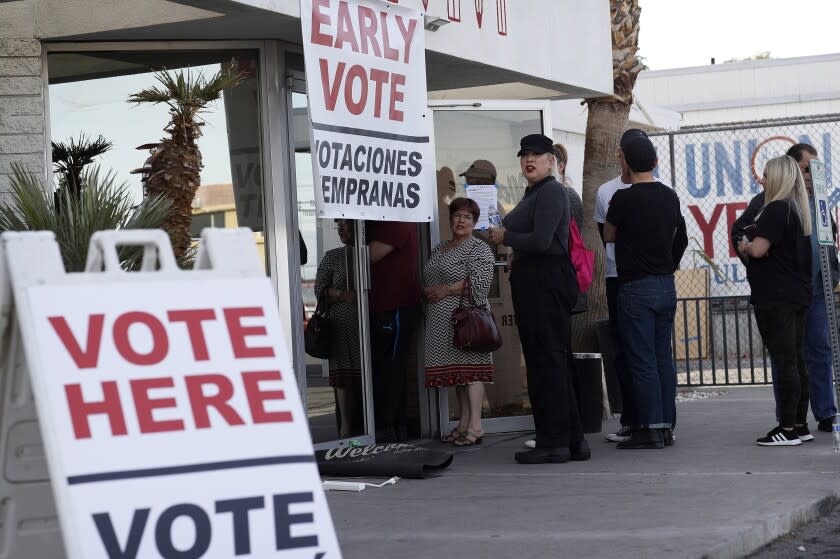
(474, 327)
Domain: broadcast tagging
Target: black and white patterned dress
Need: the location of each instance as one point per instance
(345, 360)
(445, 364)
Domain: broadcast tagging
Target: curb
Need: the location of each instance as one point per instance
(766, 531)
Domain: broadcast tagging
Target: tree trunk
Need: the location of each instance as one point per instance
(605, 124)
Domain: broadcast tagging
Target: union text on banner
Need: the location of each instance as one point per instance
(372, 152)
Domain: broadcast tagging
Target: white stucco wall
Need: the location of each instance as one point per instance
(564, 41)
(744, 91)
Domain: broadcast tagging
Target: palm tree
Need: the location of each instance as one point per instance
(102, 204)
(174, 168)
(606, 121)
(70, 159)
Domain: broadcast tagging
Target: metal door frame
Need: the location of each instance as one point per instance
(295, 82)
(495, 424)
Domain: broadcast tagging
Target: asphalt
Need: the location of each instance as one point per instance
(714, 494)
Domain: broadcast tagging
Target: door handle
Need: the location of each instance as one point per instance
(365, 267)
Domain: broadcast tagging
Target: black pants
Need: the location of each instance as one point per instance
(543, 317)
(391, 334)
(629, 417)
(782, 327)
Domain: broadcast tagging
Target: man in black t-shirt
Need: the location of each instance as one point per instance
(648, 229)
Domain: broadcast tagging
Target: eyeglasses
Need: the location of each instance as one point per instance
(464, 216)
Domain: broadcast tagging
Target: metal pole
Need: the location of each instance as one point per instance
(362, 289)
(831, 311)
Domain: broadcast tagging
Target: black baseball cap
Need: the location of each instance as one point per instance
(639, 153)
(535, 143)
(631, 133)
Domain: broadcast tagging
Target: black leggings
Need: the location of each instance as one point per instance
(782, 327)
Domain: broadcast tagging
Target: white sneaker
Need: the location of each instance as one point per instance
(531, 444)
(621, 435)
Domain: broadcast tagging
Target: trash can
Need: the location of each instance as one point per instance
(607, 344)
(588, 386)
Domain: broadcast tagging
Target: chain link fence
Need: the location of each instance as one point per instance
(715, 172)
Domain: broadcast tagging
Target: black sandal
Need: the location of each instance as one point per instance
(470, 438)
(453, 436)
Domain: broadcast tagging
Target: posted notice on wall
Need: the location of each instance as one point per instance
(173, 423)
(372, 151)
(487, 198)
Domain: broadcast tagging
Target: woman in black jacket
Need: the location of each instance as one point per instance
(778, 257)
(544, 289)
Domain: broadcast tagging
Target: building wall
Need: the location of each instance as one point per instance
(22, 119)
(745, 91)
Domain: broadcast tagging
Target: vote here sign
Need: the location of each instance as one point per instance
(172, 421)
(372, 155)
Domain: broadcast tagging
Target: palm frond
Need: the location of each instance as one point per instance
(71, 157)
(188, 93)
(103, 204)
(700, 253)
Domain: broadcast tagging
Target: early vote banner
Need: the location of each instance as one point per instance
(372, 154)
(172, 419)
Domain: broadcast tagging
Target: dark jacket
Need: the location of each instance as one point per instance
(748, 218)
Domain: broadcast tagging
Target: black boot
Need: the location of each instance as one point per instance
(644, 438)
(543, 456)
(580, 451)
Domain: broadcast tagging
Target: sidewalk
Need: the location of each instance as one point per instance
(714, 494)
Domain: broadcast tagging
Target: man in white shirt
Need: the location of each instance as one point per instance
(602, 204)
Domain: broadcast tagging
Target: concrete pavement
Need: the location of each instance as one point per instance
(714, 494)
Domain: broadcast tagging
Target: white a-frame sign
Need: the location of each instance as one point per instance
(168, 408)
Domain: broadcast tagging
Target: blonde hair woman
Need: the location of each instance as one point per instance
(779, 274)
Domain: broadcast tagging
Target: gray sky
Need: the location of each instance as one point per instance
(679, 33)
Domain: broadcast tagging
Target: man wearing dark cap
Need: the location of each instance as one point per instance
(648, 229)
(480, 172)
(602, 203)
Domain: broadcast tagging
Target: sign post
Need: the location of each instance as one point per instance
(372, 152)
(167, 402)
(825, 236)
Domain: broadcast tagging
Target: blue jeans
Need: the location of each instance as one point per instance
(818, 361)
(646, 317)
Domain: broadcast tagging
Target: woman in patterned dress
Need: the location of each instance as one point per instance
(332, 282)
(445, 274)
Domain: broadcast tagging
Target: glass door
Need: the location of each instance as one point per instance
(336, 390)
(488, 131)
